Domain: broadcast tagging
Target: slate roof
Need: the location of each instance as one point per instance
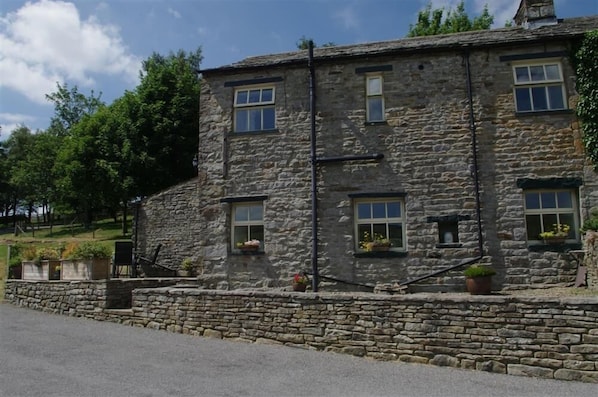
(565, 29)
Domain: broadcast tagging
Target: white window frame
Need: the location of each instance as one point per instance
(252, 225)
(549, 216)
(545, 83)
(375, 223)
(374, 95)
(258, 106)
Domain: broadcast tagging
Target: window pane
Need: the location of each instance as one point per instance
(375, 109)
(254, 96)
(394, 210)
(255, 213)
(241, 214)
(537, 73)
(374, 86)
(524, 103)
(567, 219)
(564, 200)
(539, 98)
(552, 72)
(521, 74)
(380, 228)
(268, 114)
(534, 227)
(256, 232)
(255, 119)
(379, 210)
(241, 97)
(242, 121)
(548, 220)
(548, 200)
(532, 201)
(241, 234)
(395, 234)
(267, 95)
(364, 211)
(555, 94)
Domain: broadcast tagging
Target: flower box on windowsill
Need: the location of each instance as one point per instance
(555, 240)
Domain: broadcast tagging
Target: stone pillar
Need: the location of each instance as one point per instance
(591, 258)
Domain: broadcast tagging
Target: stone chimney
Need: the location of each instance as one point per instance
(535, 13)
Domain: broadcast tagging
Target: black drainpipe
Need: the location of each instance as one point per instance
(314, 199)
(476, 183)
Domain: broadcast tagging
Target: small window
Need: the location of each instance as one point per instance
(546, 208)
(539, 87)
(448, 232)
(383, 219)
(247, 224)
(375, 99)
(254, 109)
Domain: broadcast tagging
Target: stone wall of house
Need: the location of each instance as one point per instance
(554, 338)
(590, 260)
(427, 149)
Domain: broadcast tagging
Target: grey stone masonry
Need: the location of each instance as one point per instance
(554, 338)
(439, 94)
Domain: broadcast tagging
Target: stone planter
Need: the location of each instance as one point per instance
(35, 271)
(85, 269)
(557, 240)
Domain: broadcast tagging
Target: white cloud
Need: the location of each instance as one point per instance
(174, 13)
(11, 121)
(47, 42)
(348, 17)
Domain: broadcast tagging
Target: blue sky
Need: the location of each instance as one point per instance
(99, 45)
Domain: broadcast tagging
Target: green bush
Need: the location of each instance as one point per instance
(478, 270)
(90, 250)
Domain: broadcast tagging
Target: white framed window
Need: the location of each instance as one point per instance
(539, 87)
(545, 208)
(254, 109)
(383, 218)
(375, 99)
(247, 224)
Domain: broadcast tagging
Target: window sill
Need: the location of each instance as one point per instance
(381, 254)
(371, 123)
(544, 112)
(244, 253)
(449, 245)
(554, 248)
(253, 133)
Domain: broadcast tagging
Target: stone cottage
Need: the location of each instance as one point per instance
(455, 149)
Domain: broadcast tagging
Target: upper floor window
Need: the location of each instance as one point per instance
(380, 219)
(254, 109)
(546, 208)
(375, 99)
(248, 224)
(539, 87)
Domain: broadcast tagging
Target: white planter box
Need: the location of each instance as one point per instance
(85, 269)
(33, 271)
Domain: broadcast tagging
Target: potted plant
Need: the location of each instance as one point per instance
(300, 282)
(557, 235)
(186, 269)
(479, 279)
(249, 246)
(30, 264)
(89, 260)
(377, 242)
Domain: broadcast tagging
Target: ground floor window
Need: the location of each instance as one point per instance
(379, 221)
(247, 226)
(546, 210)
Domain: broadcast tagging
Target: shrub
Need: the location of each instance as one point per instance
(478, 270)
(29, 253)
(47, 253)
(88, 250)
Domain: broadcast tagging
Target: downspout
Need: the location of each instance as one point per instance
(476, 183)
(314, 188)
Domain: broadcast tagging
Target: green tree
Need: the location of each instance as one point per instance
(18, 150)
(431, 22)
(69, 107)
(587, 87)
(303, 43)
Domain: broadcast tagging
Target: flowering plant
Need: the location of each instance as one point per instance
(300, 278)
(250, 243)
(558, 230)
(377, 240)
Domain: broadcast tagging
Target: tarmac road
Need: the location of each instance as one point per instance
(52, 355)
